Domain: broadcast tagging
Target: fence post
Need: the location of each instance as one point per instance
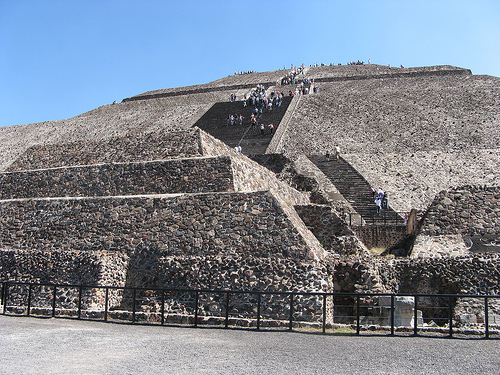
(54, 302)
(415, 317)
(486, 319)
(80, 302)
(133, 305)
(106, 305)
(450, 313)
(258, 310)
(29, 299)
(226, 322)
(358, 328)
(5, 295)
(324, 313)
(290, 327)
(196, 299)
(162, 307)
(392, 314)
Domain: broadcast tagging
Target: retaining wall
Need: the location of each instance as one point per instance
(134, 147)
(194, 175)
(64, 267)
(471, 274)
(244, 223)
(459, 220)
(444, 70)
(468, 210)
(380, 235)
(250, 175)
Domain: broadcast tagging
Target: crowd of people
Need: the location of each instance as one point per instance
(260, 101)
(234, 120)
(291, 78)
(244, 72)
(352, 62)
(335, 154)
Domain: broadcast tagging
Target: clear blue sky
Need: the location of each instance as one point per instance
(61, 58)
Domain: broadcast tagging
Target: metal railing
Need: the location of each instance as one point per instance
(385, 218)
(382, 312)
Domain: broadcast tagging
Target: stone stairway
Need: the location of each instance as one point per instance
(355, 189)
(214, 122)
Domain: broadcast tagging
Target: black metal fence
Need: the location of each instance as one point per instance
(447, 314)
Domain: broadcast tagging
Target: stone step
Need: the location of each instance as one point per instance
(252, 141)
(354, 188)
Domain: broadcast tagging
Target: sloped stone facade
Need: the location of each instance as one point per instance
(194, 175)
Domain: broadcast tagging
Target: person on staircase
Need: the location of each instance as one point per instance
(380, 193)
(378, 203)
(337, 152)
(253, 121)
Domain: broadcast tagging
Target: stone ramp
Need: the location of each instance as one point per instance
(355, 189)
(214, 122)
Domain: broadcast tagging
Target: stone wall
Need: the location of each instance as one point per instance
(383, 236)
(459, 220)
(469, 210)
(196, 90)
(251, 176)
(220, 240)
(367, 72)
(219, 272)
(426, 246)
(247, 223)
(131, 148)
(194, 175)
(64, 267)
(471, 274)
(332, 232)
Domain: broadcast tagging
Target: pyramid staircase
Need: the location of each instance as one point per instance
(355, 189)
(214, 122)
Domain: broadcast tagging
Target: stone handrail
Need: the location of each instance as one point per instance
(275, 144)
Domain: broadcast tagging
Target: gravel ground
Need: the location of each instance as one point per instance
(62, 346)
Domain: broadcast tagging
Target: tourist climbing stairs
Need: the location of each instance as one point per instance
(251, 139)
(355, 189)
